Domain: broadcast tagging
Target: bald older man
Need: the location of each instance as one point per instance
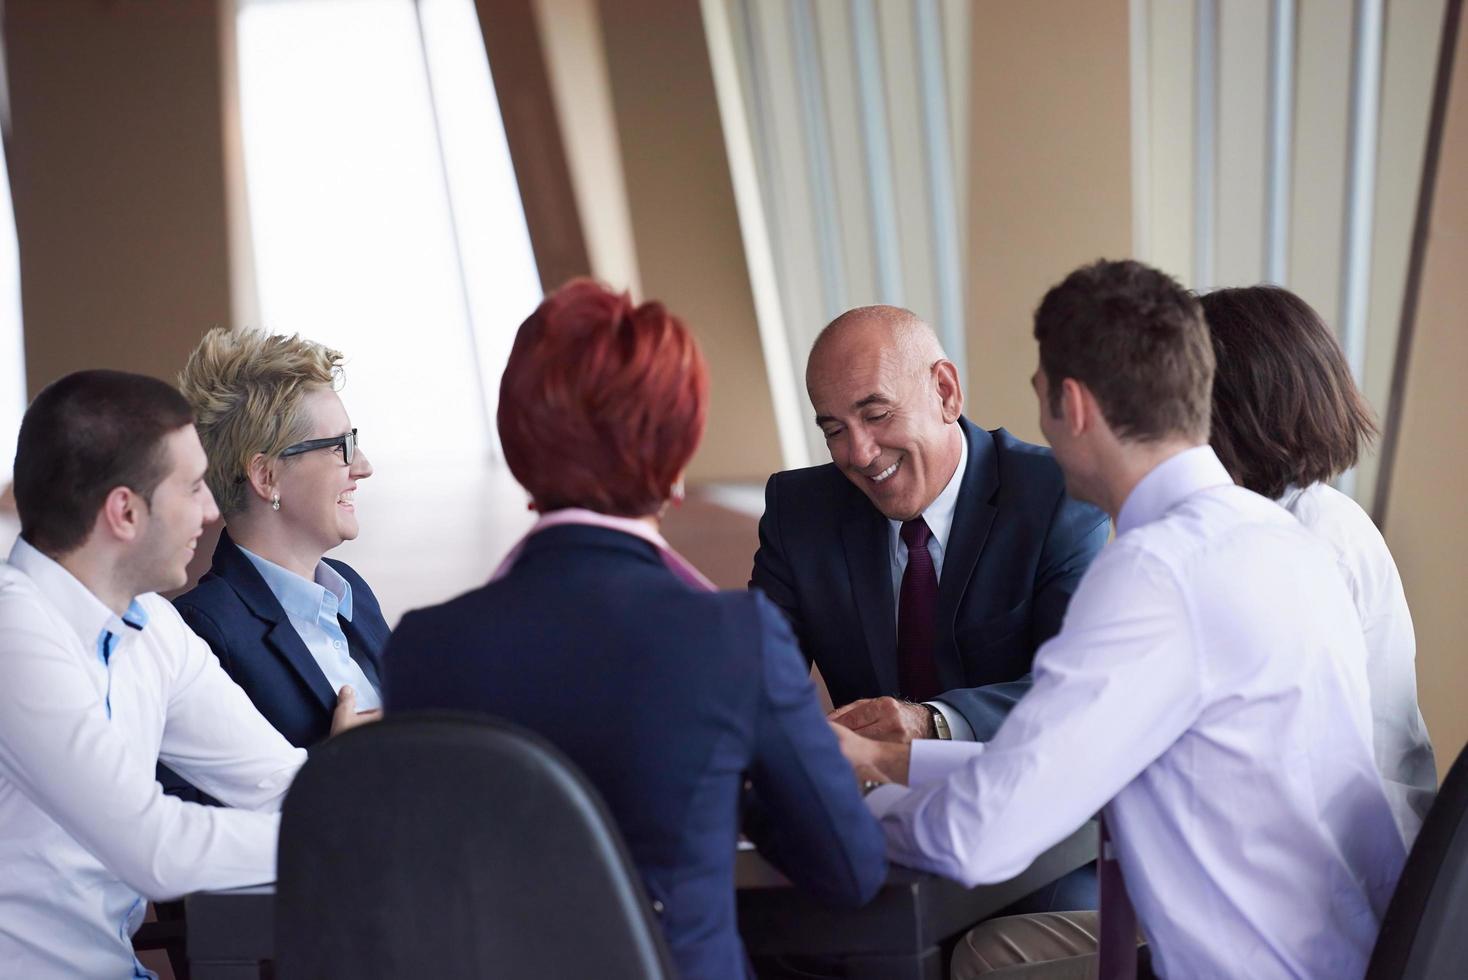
(924, 565)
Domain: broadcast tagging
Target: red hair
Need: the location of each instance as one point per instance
(602, 402)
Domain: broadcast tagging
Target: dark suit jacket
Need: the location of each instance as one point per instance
(666, 698)
(239, 617)
(1016, 551)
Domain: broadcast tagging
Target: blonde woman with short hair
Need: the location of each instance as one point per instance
(300, 632)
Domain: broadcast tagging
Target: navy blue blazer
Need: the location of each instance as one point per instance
(666, 698)
(1016, 551)
(239, 617)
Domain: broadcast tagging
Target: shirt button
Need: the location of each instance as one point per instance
(657, 906)
(337, 644)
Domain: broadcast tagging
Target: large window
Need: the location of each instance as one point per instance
(384, 212)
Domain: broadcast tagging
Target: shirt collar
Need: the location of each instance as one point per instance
(78, 605)
(939, 515)
(681, 567)
(302, 598)
(1169, 482)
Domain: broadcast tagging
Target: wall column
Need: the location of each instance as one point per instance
(680, 195)
(1425, 452)
(1050, 183)
(117, 166)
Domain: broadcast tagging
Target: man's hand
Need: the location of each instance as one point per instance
(886, 719)
(882, 762)
(346, 714)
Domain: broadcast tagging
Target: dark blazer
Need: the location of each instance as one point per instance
(239, 617)
(666, 698)
(1016, 551)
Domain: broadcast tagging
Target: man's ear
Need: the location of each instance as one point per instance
(1078, 407)
(261, 475)
(950, 393)
(121, 515)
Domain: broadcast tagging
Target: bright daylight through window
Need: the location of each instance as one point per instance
(384, 212)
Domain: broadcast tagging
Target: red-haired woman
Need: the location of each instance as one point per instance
(665, 692)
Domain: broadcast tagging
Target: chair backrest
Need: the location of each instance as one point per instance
(450, 845)
(1424, 933)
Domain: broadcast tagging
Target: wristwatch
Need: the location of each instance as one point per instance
(940, 723)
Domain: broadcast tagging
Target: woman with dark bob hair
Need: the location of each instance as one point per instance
(666, 693)
(1288, 419)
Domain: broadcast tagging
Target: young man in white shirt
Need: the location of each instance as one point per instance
(1207, 690)
(99, 679)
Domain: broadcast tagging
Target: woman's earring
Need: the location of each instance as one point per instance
(678, 493)
(275, 501)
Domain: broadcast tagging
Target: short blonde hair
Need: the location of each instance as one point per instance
(246, 388)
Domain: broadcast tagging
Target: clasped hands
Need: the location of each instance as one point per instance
(885, 719)
(875, 735)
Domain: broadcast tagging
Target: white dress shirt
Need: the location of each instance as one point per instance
(1208, 689)
(1403, 749)
(312, 608)
(89, 703)
(939, 518)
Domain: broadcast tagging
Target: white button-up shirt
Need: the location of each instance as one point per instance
(89, 703)
(1208, 689)
(1403, 750)
(939, 518)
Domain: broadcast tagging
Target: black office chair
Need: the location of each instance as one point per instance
(1424, 934)
(448, 845)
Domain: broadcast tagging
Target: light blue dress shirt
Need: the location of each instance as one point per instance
(313, 608)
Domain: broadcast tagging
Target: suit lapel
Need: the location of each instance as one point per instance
(231, 565)
(864, 535)
(289, 646)
(972, 518)
(364, 642)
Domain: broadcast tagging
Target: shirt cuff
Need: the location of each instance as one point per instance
(932, 760)
(884, 798)
(958, 727)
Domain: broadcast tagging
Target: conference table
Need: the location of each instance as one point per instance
(904, 933)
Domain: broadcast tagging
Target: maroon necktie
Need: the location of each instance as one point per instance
(917, 616)
(1117, 943)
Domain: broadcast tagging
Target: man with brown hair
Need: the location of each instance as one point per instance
(99, 679)
(1207, 690)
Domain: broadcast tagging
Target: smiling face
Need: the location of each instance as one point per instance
(888, 404)
(180, 507)
(316, 488)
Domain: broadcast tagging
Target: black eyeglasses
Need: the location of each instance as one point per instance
(348, 442)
